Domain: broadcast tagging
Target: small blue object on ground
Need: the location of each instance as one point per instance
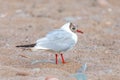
(80, 76)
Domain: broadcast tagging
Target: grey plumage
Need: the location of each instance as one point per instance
(57, 40)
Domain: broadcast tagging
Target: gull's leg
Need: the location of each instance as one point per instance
(56, 57)
(62, 57)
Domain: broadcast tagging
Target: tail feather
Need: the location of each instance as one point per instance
(29, 45)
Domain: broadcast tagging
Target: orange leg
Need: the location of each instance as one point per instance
(56, 56)
(62, 57)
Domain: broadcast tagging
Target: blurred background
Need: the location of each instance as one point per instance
(24, 21)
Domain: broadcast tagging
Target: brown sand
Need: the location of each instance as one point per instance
(24, 21)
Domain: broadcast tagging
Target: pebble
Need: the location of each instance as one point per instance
(103, 3)
(3, 15)
(51, 78)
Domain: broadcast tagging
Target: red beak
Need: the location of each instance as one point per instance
(79, 31)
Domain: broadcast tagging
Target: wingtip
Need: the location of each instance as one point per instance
(29, 45)
(17, 46)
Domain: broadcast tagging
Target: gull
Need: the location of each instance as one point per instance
(59, 40)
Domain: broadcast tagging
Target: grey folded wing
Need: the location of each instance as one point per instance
(57, 40)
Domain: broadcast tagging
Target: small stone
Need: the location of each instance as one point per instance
(3, 15)
(22, 73)
(107, 51)
(36, 70)
(109, 10)
(19, 11)
(108, 23)
(103, 3)
(51, 78)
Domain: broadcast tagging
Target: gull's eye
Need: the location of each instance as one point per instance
(73, 28)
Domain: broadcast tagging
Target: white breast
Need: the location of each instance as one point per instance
(74, 36)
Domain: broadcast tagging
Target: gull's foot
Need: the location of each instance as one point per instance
(66, 62)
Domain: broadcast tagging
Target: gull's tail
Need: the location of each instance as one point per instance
(29, 45)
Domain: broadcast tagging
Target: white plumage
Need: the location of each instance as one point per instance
(58, 40)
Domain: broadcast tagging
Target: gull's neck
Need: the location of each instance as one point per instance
(66, 27)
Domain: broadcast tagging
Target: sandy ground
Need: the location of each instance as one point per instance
(24, 21)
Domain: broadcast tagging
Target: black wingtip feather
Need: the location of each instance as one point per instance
(29, 45)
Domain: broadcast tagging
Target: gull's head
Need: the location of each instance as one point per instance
(69, 27)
